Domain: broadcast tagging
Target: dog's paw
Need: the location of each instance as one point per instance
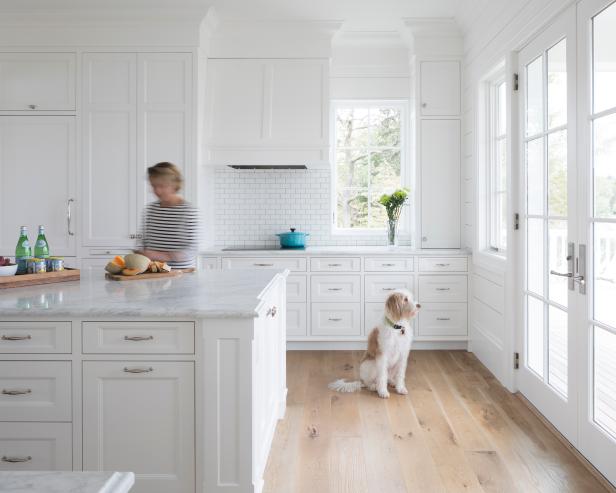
(402, 390)
(383, 394)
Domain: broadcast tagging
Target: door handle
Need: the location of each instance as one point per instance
(576, 277)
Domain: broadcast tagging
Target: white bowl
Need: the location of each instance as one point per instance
(8, 270)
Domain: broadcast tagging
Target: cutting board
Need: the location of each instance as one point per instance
(147, 275)
(34, 279)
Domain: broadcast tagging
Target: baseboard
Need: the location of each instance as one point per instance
(361, 345)
(561, 438)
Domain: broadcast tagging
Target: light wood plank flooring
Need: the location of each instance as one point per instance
(457, 430)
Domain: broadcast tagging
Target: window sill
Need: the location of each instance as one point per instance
(366, 232)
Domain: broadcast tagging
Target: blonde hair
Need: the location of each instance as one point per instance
(168, 171)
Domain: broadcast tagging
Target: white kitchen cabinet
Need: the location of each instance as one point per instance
(136, 112)
(345, 288)
(440, 183)
(440, 87)
(35, 337)
(37, 166)
(139, 416)
(37, 82)
(36, 447)
(296, 319)
(336, 319)
(443, 319)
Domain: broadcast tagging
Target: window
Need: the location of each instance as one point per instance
(497, 165)
(368, 160)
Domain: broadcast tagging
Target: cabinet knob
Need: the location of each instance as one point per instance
(423, 105)
(32, 106)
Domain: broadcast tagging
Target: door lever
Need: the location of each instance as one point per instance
(576, 277)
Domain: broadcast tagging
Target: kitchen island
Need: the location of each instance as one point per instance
(180, 380)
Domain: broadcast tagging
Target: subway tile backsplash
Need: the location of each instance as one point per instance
(251, 206)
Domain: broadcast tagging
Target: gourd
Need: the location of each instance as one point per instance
(136, 261)
(114, 267)
(130, 272)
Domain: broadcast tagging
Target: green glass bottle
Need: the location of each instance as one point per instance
(41, 247)
(23, 250)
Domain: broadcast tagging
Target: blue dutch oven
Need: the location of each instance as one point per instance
(294, 239)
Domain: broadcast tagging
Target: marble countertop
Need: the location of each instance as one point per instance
(211, 294)
(337, 250)
(66, 482)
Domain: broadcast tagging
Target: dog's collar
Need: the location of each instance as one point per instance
(393, 325)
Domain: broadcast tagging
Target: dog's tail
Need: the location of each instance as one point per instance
(342, 385)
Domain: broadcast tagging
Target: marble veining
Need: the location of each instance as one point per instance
(211, 294)
(66, 481)
(337, 250)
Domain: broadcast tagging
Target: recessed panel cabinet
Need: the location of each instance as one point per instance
(440, 87)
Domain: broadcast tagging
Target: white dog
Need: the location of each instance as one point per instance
(388, 349)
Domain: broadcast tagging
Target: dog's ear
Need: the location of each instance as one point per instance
(394, 306)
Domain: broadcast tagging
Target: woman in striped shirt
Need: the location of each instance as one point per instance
(170, 225)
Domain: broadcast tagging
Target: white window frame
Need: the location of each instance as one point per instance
(406, 174)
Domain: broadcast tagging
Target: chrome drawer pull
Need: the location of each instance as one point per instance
(389, 289)
(334, 265)
(138, 338)
(442, 265)
(16, 391)
(16, 338)
(16, 459)
(272, 311)
(138, 370)
(443, 289)
(263, 265)
(443, 318)
(334, 319)
(388, 265)
(334, 289)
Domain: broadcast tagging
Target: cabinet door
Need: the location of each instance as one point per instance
(37, 169)
(440, 183)
(141, 422)
(440, 88)
(37, 81)
(108, 149)
(164, 102)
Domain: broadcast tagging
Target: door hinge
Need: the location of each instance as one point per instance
(516, 221)
(516, 361)
(516, 82)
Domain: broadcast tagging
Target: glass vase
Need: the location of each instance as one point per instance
(392, 232)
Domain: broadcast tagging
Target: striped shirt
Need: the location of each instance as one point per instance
(172, 229)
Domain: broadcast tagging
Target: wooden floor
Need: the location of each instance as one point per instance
(457, 430)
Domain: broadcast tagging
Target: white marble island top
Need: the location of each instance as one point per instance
(66, 482)
(226, 294)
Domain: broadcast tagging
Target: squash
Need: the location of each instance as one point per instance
(137, 261)
(119, 260)
(130, 272)
(113, 268)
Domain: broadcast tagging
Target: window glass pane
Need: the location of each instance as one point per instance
(385, 127)
(352, 127)
(557, 85)
(534, 171)
(378, 214)
(604, 59)
(605, 273)
(502, 108)
(557, 173)
(605, 380)
(604, 144)
(557, 347)
(501, 156)
(385, 170)
(557, 237)
(534, 355)
(535, 256)
(352, 208)
(503, 221)
(534, 97)
(352, 168)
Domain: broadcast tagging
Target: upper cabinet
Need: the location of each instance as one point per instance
(265, 109)
(440, 88)
(37, 82)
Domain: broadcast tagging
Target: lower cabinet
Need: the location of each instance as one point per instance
(443, 319)
(335, 319)
(296, 319)
(139, 416)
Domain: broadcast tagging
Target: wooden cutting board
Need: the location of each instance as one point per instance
(34, 279)
(147, 275)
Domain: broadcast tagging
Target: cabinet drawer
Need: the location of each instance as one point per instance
(36, 447)
(296, 289)
(109, 252)
(443, 319)
(291, 263)
(138, 337)
(335, 264)
(335, 288)
(378, 288)
(296, 319)
(35, 390)
(388, 264)
(35, 337)
(442, 288)
(336, 319)
(432, 264)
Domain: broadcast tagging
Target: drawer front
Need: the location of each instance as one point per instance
(443, 319)
(442, 288)
(296, 289)
(378, 288)
(335, 288)
(138, 337)
(293, 264)
(335, 264)
(437, 264)
(373, 316)
(109, 252)
(35, 390)
(296, 319)
(36, 447)
(384, 264)
(35, 337)
(336, 319)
